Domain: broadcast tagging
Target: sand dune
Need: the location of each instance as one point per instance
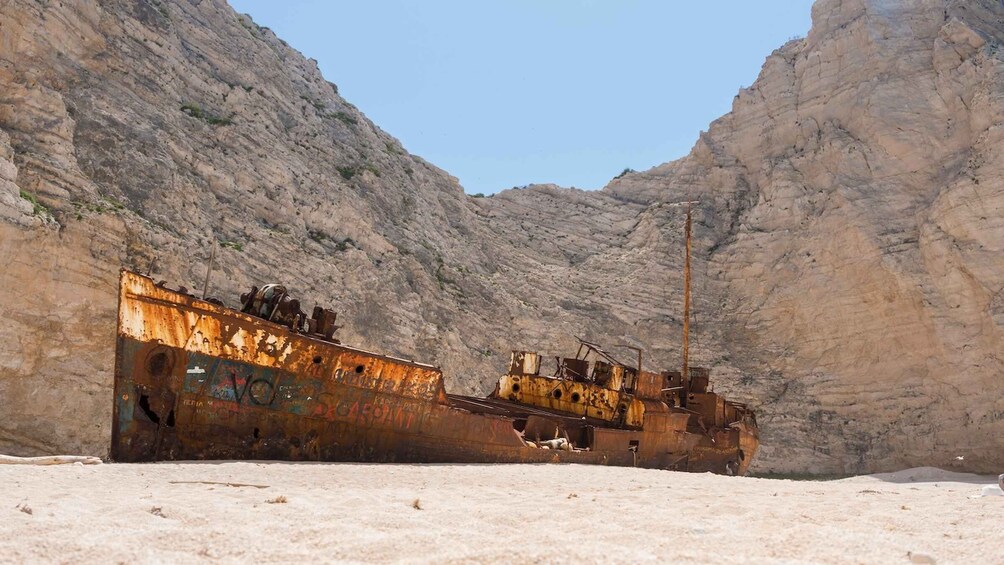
(241, 511)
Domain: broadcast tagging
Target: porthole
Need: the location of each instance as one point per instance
(575, 397)
(556, 393)
(159, 364)
(360, 369)
(515, 387)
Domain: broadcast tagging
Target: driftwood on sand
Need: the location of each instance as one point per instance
(216, 483)
(49, 460)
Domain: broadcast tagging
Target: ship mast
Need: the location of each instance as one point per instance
(686, 303)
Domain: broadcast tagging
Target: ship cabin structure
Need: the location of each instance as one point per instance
(607, 405)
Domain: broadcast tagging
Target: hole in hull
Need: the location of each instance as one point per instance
(144, 405)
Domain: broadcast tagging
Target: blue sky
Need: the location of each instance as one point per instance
(507, 93)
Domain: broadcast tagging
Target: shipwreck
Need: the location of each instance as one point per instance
(195, 379)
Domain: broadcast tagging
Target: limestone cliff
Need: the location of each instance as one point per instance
(848, 238)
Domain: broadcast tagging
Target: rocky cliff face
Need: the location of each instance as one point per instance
(848, 235)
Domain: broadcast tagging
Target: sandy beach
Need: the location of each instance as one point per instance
(310, 512)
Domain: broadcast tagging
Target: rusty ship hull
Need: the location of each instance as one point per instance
(197, 380)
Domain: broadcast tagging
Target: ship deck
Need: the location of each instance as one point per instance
(506, 408)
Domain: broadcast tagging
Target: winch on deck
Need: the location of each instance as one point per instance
(273, 303)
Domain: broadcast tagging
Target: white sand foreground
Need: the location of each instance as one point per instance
(115, 513)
